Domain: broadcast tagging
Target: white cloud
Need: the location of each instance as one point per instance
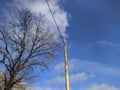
(40, 6)
(101, 87)
(59, 68)
(78, 77)
(58, 80)
(43, 88)
(90, 87)
(87, 66)
(105, 43)
(97, 68)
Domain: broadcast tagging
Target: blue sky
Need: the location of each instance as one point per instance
(93, 45)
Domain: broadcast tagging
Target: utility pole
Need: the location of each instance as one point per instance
(65, 49)
(66, 67)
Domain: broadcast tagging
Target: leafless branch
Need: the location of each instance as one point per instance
(25, 47)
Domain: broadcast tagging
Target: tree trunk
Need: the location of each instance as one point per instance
(8, 87)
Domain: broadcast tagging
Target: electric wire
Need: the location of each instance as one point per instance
(65, 51)
(55, 21)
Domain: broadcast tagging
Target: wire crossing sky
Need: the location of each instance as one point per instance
(62, 38)
(93, 31)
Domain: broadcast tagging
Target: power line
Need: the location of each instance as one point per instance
(65, 49)
(55, 21)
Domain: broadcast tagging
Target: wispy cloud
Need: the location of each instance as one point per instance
(87, 66)
(90, 87)
(101, 87)
(74, 78)
(82, 71)
(80, 77)
(105, 43)
(43, 88)
(59, 68)
(97, 68)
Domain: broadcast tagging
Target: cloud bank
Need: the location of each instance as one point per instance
(40, 6)
(101, 87)
(91, 87)
(74, 78)
(43, 88)
(88, 67)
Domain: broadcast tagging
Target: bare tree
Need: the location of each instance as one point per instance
(23, 47)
